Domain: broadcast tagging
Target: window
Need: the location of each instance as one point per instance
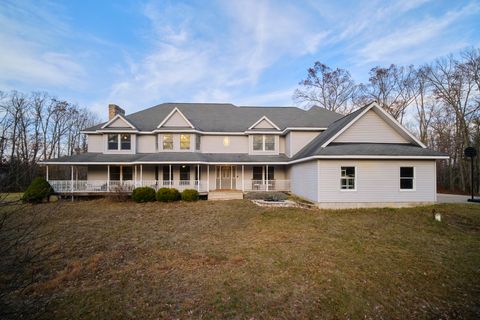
(348, 178)
(264, 143)
(125, 142)
(226, 141)
(197, 142)
(112, 142)
(184, 173)
(258, 143)
(185, 141)
(271, 173)
(127, 173)
(166, 173)
(269, 143)
(407, 177)
(119, 141)
(257, 173)
(167, 142)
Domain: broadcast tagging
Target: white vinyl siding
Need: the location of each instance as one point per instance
(304, 180)
(215, 144)
(95, 143)
(376, 181)
(119, 123)
(146, 143)
(296, 140)
(371, 128)
(176, 120)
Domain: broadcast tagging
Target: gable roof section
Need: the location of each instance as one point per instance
(176, 122)
(386, 116)
(264, 123)
(117, 118)
(224, 117)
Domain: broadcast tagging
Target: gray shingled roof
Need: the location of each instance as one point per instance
(169, 157)
(376, 149)
(230, 118)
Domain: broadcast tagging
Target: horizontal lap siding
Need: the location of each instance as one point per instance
(304, 180)
(376, 181)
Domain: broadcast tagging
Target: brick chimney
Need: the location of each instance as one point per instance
(113, 110)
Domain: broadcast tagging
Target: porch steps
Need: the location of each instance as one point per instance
(225, 195)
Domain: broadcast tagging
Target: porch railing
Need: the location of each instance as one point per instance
(270, 185)
(69, 186)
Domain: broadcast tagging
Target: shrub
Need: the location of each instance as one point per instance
(143, 194)
(168, 195)
(37, 191)
(190, 195)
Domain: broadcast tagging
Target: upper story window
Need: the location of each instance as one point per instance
(125, 143)
(185, 142)
(347, 180)
(264, 143)
(167, 141)
(407, 178)
(121, 141)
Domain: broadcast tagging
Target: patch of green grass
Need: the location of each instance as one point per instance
(232, 259)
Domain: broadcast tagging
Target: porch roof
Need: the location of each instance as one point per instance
(167, 157)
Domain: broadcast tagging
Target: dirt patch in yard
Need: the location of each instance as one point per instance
(233, 259)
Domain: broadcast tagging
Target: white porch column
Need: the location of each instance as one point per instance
(231, 177)
(266, 176)
(243, 178)
(198, 177)
(108, 177)
(220, 177)
(121, 175)
(208, 178)
(141, 175)
(71, 180)
(135, 176)
(46, 172)
(215, 177)
(170, 175)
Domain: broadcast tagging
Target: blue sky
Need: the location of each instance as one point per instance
(141, 53)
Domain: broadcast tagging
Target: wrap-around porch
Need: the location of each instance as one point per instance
(201, 177)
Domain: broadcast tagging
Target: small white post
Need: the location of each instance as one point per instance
(266, 175)
(208, 178)
(135, 175)
(170, 175)
(216, 177)
(141, 175)
(231, 177)
(121, 175)
(243, 178)
(108, 177)
(71, 176)
(198, 177)
(46, 172)
(220, 176)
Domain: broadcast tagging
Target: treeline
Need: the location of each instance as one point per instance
(439, 102)
(37, 126)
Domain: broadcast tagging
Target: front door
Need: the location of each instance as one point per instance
(226, 177)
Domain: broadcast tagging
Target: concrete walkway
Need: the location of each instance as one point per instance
(452, 198)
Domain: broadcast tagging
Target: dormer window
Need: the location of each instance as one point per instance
(121, 141)
(264, 143)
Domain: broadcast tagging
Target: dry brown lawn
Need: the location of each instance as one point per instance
(233, 259)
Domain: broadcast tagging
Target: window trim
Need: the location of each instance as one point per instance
(108, 141)
(163, 141)
(189, 141)
(263, 136)
(414, 179)
(355, 181)
(119, 142)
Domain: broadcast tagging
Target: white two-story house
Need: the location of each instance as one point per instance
(363, 159)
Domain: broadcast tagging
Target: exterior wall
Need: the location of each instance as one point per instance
(176, 120)
(371, 128)
(264, 124)
(95, 143)
(146, 143)
(97, 173)
(281, 144)
(296, 140)
(304, 180)
(377, 181)
(214, 144)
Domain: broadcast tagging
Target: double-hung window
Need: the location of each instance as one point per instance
(122, 141)
(185, 142)
(263, 143)
(407, 178)
(347, 180)
(167, 141)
